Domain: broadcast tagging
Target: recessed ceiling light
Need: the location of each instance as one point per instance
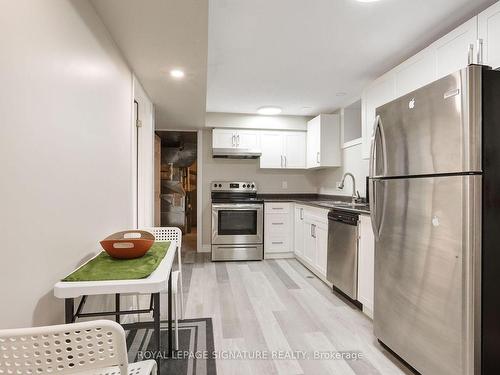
(177, 73)
(367, 1)
(269, 111)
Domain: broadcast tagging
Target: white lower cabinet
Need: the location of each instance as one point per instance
(311, 238)
(278, 230)
(366, 264)
(298, 231)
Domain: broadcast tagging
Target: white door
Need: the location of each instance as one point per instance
(366, 263)
(452, 51)
(298, 232)
(294, 150)
(309, 241)
(314, 142)
(321, 235)
(489, 32)
(247, 139)
(223, 138)
(381, 92)
(271, 145)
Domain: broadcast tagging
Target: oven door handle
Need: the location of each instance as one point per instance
(237, 206)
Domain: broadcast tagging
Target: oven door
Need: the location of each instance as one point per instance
(237, 223)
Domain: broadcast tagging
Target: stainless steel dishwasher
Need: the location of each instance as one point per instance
(342, 265)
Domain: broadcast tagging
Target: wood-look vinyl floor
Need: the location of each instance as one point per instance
(278, 305)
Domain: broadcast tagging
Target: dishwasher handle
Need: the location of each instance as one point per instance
(349, 218)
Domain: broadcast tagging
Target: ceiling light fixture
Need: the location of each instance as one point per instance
(367, 1)
(177, 73)
(269, 111)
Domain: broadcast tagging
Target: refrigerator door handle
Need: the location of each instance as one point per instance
(375, 153)
(378, 203)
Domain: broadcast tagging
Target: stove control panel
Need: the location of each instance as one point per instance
(234, 186)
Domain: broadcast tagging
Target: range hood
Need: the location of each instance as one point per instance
(236, 153)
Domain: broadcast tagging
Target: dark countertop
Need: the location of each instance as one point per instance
(339, 202)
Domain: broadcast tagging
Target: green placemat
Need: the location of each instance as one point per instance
(104, 267)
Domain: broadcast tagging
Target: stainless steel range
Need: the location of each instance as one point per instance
(237, 221)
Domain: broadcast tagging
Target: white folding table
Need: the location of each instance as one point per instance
(159, 281)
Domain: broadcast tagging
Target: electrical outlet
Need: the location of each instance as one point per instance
(284, 184)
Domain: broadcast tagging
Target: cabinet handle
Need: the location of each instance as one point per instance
(278, 243)
(284, 157)
(277, 208)
(480, 45)
(317, 158)
(234, 140)
(301, 214)
(238, 140)
(277, 223)
(281, 157)
(471, 54)
(313, 228)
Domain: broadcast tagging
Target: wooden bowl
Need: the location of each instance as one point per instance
(128, 244)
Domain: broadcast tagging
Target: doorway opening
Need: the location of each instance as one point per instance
(176, 183)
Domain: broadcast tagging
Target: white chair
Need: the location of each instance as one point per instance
(164, 234)
(94, 347)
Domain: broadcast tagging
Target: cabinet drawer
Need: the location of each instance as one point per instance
(277, 224)
(277, 208)
(277, 244)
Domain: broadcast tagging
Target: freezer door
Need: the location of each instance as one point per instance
(427, 271)
(434, 130)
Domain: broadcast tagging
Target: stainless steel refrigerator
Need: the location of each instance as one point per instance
(435, 196)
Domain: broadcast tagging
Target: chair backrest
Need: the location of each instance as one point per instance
(63, 349)
(163, 234)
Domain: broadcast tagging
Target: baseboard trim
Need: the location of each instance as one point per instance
(288, 255)
(205, 248)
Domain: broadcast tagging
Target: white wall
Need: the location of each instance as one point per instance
(146, 156)
(65, 150)
(352, 161)
(249, 121)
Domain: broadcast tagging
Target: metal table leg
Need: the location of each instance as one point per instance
(117, 307)
(156, 318)
(170, 333)
(69, 307)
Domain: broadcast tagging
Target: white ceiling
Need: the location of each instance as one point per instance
(301, 53)
(156, 36)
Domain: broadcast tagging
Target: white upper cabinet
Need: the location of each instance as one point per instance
(489, 32)
(416, 72)
(223, 138)
(248, 139)
(382, 91)
(323, 142)
(294, 149)
(452, 51)
(283, 149)
(271, 145)
(235, 138)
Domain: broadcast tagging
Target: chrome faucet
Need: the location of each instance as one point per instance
(354, 191)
